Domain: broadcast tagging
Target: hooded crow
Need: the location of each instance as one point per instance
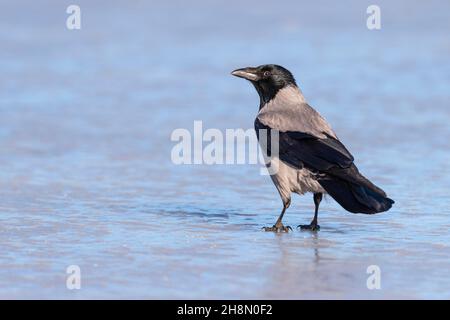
(310, 158)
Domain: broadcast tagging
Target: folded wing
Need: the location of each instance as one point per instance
(322, 153)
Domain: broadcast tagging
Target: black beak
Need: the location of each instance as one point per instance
(249, 73)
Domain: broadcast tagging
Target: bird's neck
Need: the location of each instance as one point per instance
(288, 94)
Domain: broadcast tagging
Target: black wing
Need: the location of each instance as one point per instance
(334, 168)
(300, 149)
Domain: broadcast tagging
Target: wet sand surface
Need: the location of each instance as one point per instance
(86, 176)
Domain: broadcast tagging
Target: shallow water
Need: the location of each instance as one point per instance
(86, 176)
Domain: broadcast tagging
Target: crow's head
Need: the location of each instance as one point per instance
(268, 79)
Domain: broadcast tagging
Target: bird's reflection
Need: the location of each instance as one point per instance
(315, 246)
(296, 263)
(286, 246)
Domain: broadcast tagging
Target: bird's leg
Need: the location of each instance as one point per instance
(313, 226)
(278, 226)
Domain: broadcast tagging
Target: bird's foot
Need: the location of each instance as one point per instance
(278, 228)
(310, 227)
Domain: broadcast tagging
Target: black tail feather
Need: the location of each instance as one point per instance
(356, 198)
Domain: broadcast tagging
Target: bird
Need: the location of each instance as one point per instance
(310, 157)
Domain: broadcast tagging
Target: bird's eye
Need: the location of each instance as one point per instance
(266, 73)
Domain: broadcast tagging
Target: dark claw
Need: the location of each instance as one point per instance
(310, 227)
